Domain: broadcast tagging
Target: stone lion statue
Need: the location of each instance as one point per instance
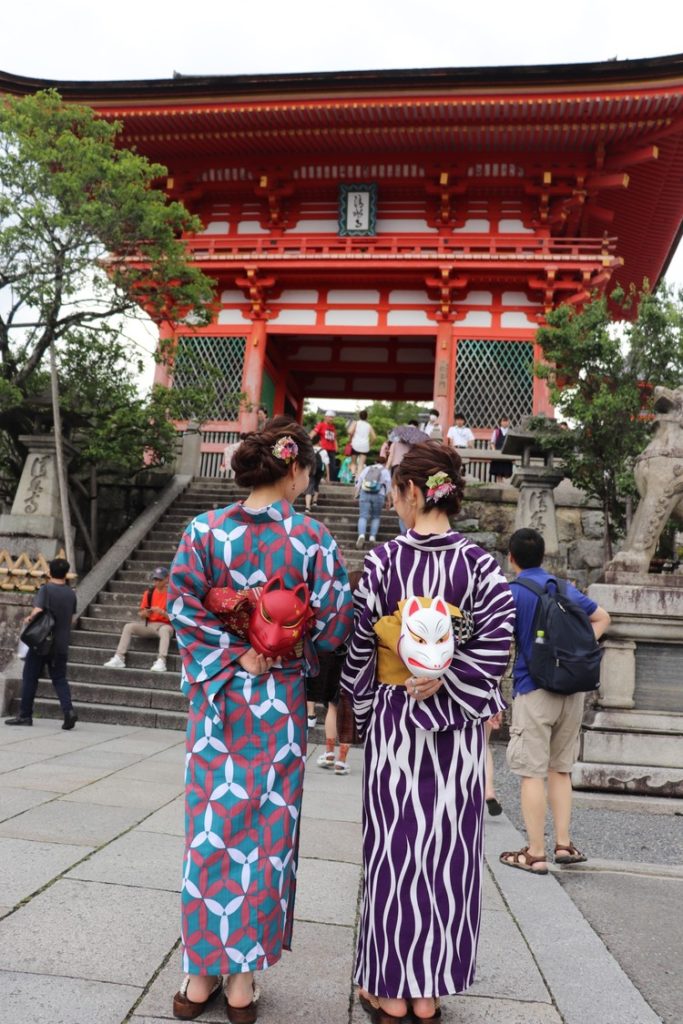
(659, 478)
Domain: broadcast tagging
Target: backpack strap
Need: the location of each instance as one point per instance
(537, 589)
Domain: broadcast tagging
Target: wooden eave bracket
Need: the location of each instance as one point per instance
(273, 193)
(256, 290)
(443, 287)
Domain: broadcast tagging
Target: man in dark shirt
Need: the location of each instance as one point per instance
(60, 599)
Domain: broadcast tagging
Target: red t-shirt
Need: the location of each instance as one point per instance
(327, 432)
(157, 605)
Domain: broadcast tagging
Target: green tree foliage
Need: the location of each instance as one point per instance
(85, 238)
(600, 370)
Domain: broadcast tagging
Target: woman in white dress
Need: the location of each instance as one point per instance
(361, 436)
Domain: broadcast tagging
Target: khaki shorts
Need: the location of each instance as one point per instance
(544, 735)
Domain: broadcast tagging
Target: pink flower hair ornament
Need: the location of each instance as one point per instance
(439, 486)
(286, 449)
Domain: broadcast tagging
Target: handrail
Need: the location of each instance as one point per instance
(294, 246)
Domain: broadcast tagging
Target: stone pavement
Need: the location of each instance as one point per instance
(91, 848)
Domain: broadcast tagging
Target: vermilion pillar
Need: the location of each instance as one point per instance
(444, 375)
(252, 379)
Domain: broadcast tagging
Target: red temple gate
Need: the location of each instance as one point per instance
(400, 235)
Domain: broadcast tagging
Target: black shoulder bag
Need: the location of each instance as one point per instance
(39, 633)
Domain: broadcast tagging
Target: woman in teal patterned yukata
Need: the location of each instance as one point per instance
(246, 737)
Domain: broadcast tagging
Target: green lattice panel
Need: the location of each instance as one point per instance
(494, 379)
(198, 356)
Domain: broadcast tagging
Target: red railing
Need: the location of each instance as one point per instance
(392, 247)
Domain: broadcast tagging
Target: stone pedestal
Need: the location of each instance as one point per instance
(536, 505)
(633, 738)
(34, 524)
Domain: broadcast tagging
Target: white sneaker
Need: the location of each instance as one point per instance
(312, 722)
(373, 540)
(115, 662)
(360, 542)
(159, 665)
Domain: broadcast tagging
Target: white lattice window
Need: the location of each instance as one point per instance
(494, 379)
(217, 361)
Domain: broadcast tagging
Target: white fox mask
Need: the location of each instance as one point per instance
(426, 645)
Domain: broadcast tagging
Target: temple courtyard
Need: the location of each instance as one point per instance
(91, 850)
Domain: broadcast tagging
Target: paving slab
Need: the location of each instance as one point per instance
(513, 975)
(28, 866)
(585, 981)
(16, 758)
(147, 859)
(151, 770)
(322, 805)
(469, 1009)
(108, 760)
(169, 819)
(338, 839)
(124, 792)
(327, 892)
(34, 999)
(62, 778)
(146, 741)
(73, 823)
(115, 933)
(14, 801)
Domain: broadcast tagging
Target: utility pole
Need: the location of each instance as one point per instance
(61, 467)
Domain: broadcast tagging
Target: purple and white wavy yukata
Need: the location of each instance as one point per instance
(423, 784)
(246, 735)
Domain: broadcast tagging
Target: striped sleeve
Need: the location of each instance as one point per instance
(473, 678)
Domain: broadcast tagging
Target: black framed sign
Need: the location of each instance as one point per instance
(358, 209)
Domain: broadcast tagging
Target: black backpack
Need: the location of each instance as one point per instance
(565, 656)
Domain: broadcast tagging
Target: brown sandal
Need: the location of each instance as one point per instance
(436, 1016)
(186, 1009)
(513, 859)
(574, 856)
(379, 1016)
(243, 1014)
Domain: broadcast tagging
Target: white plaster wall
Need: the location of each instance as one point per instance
(216, 227)
(314, 227)
(516, 299)
(295, 317)
(352, 317)
(349, 295)
(409, 318)
(404, 297)
(391, 225)
(232, 295)
(513, 318)
(298, 295)
(473, 225)
(476, 318)
(250, 227)
(512, 225)
(478, 299)
(231, 316)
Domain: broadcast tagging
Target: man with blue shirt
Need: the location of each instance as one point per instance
(544, 734)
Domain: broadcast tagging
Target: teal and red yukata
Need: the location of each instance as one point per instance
(246, 735)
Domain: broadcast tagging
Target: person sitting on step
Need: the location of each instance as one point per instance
(155, 624)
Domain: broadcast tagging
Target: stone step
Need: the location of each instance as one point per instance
(109, 714)
(124, 678)
(138, 658)
(124, 696)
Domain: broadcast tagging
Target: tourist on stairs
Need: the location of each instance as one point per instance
(155, 623)
(372, 488)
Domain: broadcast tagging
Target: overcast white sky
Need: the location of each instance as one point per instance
(129, 39)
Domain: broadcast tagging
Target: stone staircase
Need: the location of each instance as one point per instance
(135, 695)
